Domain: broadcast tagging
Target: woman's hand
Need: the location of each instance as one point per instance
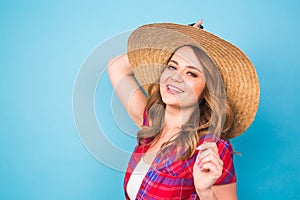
(207, 168)
(198, 24)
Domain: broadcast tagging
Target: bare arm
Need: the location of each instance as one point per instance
(225, 192)
(127, 89)
(220, 192)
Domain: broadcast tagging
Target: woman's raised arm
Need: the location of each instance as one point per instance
(126, 87)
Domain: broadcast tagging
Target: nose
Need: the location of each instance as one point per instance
(177, 77)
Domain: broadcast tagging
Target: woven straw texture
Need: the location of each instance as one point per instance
(150, 47)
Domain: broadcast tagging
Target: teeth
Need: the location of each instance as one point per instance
(174, 88)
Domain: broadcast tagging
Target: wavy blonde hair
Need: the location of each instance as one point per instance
(214, 115)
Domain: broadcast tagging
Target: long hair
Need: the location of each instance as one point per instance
(213, 115)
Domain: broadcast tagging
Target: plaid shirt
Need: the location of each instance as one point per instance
(168, 178)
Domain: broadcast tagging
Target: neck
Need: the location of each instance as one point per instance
(175, 117)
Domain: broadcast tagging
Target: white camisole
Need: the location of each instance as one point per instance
(136, 178)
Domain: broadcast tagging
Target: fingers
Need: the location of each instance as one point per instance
(198, 23)
(212, 158)
(209, 160)
(208, 145)
(214, 170)
(204, 153)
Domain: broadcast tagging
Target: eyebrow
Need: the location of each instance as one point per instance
(188, 66)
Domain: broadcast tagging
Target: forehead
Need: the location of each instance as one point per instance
(186, 56)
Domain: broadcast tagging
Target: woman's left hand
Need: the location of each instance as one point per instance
(208, 167)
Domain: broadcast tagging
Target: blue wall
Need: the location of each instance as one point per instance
(42, 49)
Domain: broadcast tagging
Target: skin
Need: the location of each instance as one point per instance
(181, 83)
(179, 106)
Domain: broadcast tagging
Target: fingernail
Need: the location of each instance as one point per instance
(199, 147)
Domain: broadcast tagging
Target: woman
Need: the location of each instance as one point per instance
(183, 150)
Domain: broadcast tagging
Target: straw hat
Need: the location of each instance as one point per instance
(150, 47)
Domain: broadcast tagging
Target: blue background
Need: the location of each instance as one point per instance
(42, 46)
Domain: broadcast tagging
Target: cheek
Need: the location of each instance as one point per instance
(198, 88)
(164, 76)
(162, 79)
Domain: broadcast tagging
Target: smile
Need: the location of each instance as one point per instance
(173, 89)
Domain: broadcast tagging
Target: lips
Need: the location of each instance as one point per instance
(173, 89)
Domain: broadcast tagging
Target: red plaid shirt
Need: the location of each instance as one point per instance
(168, 178)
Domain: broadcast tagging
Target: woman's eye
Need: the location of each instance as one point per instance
(192, 74)
(171, 67)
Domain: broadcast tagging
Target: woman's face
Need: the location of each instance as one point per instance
(182, 82)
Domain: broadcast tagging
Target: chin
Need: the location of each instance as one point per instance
(170, 101)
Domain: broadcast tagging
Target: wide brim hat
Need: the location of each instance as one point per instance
(151, 46)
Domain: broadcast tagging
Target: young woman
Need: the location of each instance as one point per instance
(183, 149)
